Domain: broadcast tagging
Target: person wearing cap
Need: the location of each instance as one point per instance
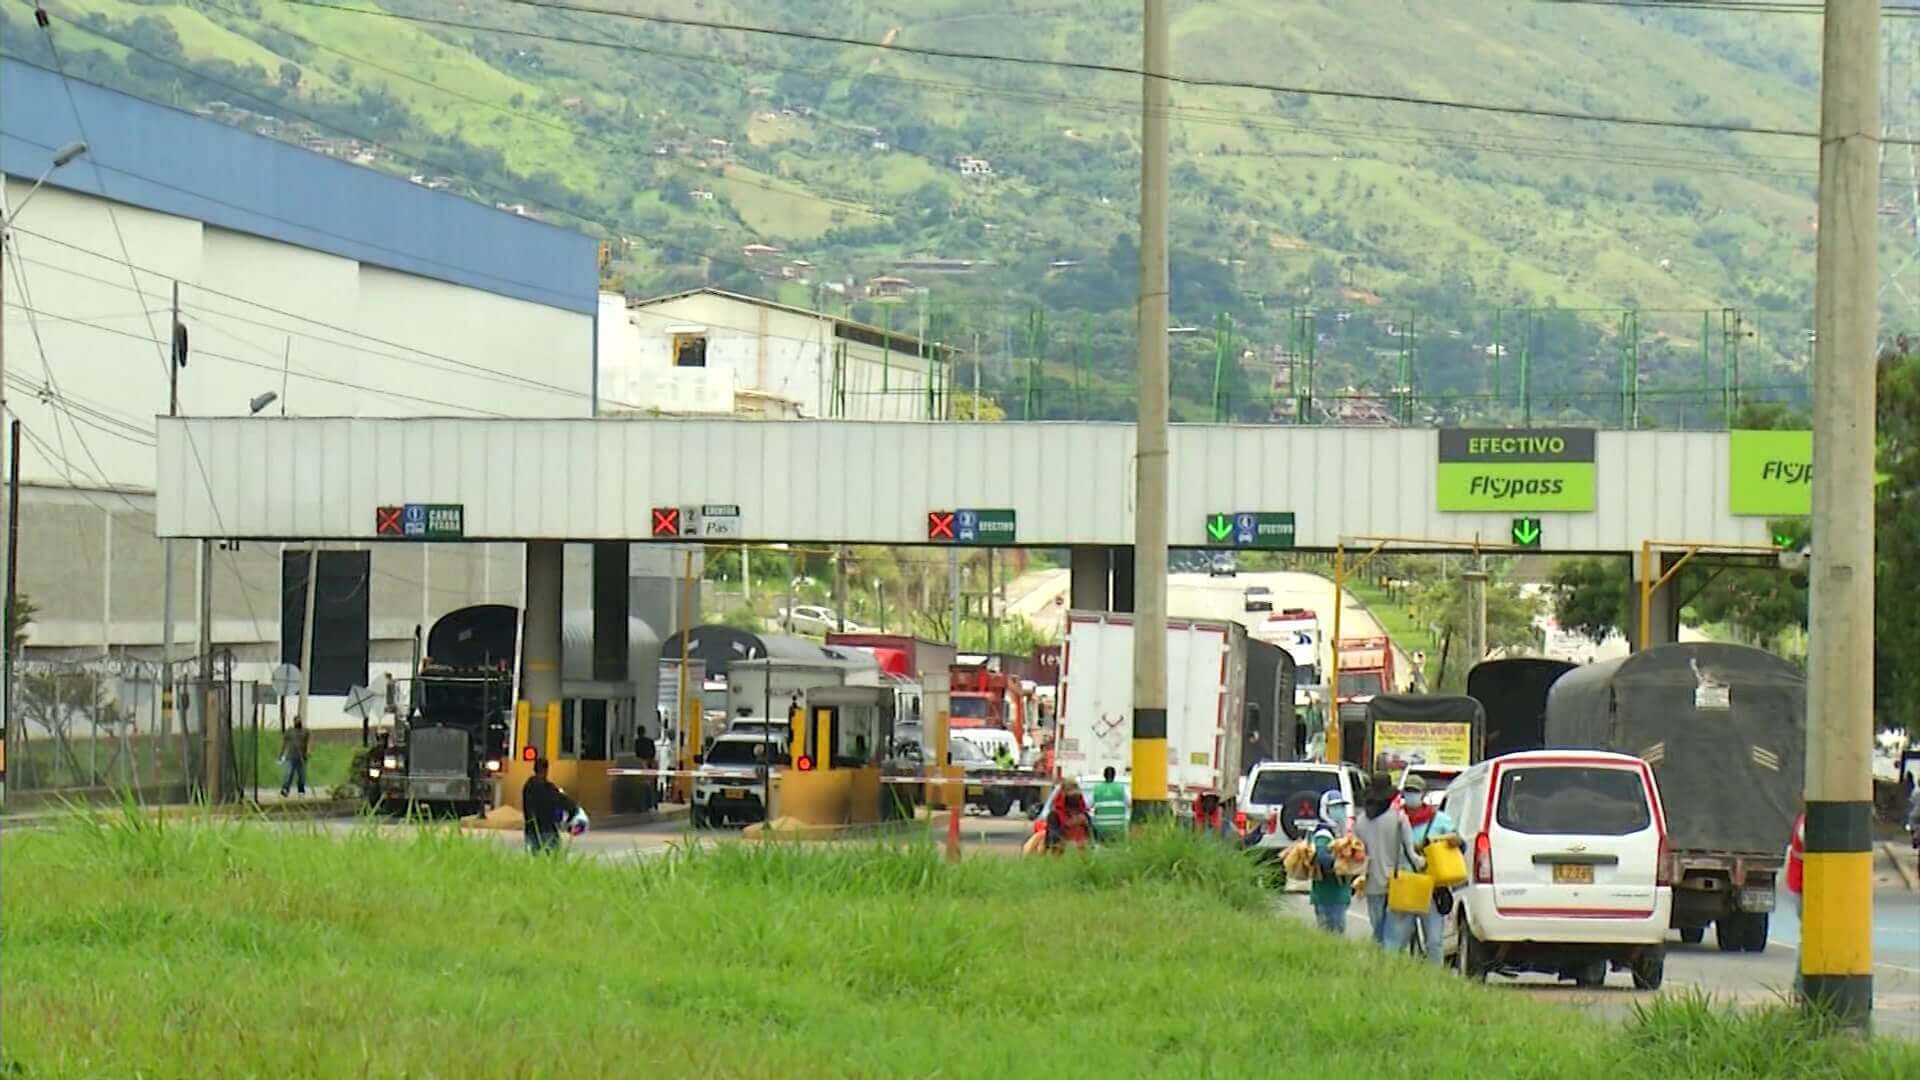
(1430, 825)
(1330, 894)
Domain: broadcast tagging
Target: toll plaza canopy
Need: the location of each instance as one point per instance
(764, 481)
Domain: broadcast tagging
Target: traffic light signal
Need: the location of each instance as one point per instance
(804, 763)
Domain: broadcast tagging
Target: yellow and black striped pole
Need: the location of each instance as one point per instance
(1836, 955)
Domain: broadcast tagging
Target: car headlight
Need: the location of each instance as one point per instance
(493, 765)
(390, 762)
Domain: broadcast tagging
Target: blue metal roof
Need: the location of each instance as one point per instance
(165, 159)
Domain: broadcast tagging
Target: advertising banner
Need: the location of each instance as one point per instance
(1397, 745)
(1770, 473)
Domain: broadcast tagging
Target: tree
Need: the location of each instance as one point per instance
(1447, 605)
(984, 408)
(1590, 597)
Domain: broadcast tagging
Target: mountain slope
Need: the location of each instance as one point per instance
(1441, 220)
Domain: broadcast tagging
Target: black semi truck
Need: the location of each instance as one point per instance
(450, 751)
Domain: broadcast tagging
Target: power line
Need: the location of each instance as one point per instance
(1088, 67)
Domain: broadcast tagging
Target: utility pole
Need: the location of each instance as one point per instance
(1476, 579)
(213, 727)
(1150, 502)
(993, 575)
(167, 683)
(953, 591)
(840, 589)
(1836, 959)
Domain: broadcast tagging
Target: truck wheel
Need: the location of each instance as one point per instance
(1650, 968)
(1729, 934)
(1693, 935)
(999, 802)
(1754, 927)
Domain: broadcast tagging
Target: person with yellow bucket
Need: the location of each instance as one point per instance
(1394, 868)
(1438, 841)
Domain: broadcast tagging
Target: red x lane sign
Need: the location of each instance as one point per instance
(940, 525)
(386, 521)
(666, 521)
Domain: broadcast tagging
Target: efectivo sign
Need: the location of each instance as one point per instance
(1515, 469)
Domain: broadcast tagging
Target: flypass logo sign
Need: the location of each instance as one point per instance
(1770, 473)
(1516, 469)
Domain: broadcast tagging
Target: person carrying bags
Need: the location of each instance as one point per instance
(1389, 840)
(1430, 826)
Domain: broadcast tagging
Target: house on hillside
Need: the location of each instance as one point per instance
(973, 166)
(887, 287)
(708, 352)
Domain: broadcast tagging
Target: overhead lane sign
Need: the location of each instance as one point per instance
(1515, 469)
(985, 528)
(1527, 532)
(421, 521)
(1770, 473)
(1246, 529)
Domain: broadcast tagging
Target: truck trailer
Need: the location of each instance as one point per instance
(1206, 704)
(1514, 694)
(1724, 728)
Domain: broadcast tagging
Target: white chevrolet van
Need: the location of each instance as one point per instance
(1567, 862)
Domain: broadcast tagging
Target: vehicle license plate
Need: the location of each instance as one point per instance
(1573, 874)
(735, 793)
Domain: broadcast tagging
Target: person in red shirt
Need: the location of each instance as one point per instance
(1207, 814)
(1068, 818)
(1796, 878)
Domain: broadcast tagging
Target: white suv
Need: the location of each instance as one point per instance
(1290, 791)
(730, 781)
(1566, 876)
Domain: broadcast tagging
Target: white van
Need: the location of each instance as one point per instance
(1567, 868)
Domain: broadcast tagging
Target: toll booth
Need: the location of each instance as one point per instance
(838, 738)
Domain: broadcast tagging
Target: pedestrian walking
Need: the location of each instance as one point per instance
(1389, 841)
(1109, 807)
(649, 755)
(293, 758)
(1429, 824)
(546, 809)
(1330, 893)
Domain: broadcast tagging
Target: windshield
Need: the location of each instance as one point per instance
(743, 752)
(1273, 786)
(1562, 800)
(972, 708)
(1360, 684)
(1259, 590)
(966, 752)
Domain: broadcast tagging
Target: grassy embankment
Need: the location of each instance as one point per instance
(233, 949)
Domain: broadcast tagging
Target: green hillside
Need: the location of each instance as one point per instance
(1458, 263)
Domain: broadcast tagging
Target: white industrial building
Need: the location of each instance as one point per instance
(338, 290)
(707, 352)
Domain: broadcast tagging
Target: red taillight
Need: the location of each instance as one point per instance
(1663, 870)
(1483, 860)
(1240, 821)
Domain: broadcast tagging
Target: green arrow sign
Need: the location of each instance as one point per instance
(1219, 527)
(1782, 542)
(1526, 532)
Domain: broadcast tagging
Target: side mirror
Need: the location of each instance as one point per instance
(699, 759)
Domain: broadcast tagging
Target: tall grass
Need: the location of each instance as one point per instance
(209, 948)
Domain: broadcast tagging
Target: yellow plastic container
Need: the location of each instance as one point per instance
(1409, 893)
(1446, 865)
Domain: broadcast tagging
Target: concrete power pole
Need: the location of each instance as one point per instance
(1836, 960)
(1150, 503)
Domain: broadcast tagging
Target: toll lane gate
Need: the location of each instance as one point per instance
(998, 484)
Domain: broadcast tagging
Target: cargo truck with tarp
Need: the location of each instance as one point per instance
(1419, 731)
(1514, 694)
(1724, 728)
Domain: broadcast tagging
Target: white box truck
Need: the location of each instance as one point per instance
(1206, 703)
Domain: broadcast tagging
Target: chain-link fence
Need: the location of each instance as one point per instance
(88, 730)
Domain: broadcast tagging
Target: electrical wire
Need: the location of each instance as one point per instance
(1087, 67)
